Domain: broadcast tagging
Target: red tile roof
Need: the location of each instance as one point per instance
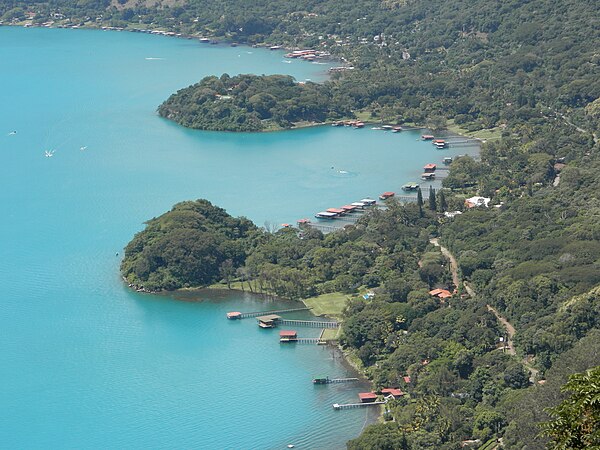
(367, 395)
(394, 392)
(287, 333)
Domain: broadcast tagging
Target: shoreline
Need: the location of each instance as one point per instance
(346, 355)
(171, 34)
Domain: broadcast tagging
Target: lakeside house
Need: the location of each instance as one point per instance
(395, 393)
(440, 293)
(477, 202)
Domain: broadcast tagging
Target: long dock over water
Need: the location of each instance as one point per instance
(308, 323)
(242, 315)
(356, 405)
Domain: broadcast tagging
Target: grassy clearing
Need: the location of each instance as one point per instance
(331, 334)
(485, 134)
(235, 285)
(327, 304)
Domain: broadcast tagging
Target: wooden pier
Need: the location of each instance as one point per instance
(356, 405)
(334, 380)
(265, 313)
(306, 340)
(308, 323)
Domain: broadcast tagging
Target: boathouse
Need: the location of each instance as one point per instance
(336, 211)
(303, 221)
(427, 137)
(367, 397)
(368, 202)
(234, 315)
(428, 176)
(268, 321)
(288, 336)
(349, 208)
(321, 380)
(429, 167)
(325, 215)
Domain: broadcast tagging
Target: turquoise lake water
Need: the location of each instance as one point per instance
(86, 363)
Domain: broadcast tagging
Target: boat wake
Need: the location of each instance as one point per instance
(343, 173)
(154, 59)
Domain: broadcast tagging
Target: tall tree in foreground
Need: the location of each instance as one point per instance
(432, 199)
(420, 201)
(576, 423)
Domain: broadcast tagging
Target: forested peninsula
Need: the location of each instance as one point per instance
(526, 75)
(251, 103)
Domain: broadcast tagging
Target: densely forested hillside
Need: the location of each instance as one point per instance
(250, 103)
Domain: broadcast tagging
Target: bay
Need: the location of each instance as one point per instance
(86, 363)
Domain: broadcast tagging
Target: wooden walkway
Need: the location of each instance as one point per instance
(308, 323)
(266, 313)
(340, 380)
(306, 340)
(356, 405)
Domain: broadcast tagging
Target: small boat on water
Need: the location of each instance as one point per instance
(427, 137)
(387, 127)
(428, 176)
(412, 186)
(396, 129)
(386, 195)
(447, 160)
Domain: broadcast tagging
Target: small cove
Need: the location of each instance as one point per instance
(87, 362)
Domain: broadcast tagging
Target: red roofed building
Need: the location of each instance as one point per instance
(429, 168)
(396, 393)
(288, 336)
(440, 293)
(406, 379)
(367, 397)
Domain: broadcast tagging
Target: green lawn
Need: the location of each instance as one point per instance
(327, 304)
(485, 134)
(331, 334)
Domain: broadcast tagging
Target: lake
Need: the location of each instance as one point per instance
(86, 363)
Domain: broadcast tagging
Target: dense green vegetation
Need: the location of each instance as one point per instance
(529, 69)
(194, 244)
(483, 63)
(576, 423)
(250, 103)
